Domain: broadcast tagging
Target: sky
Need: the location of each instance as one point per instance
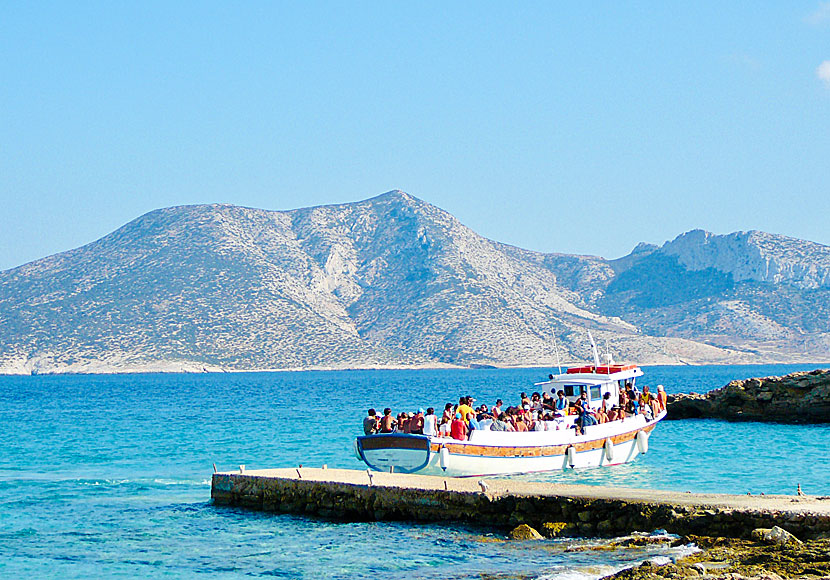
(576, 127)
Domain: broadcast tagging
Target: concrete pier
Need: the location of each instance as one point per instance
(555, 508)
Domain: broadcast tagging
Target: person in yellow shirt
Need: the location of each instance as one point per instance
(464, 407)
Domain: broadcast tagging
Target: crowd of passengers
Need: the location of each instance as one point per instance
(539, 412)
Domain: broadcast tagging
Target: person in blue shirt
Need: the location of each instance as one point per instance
(562, 403)
(472, 424)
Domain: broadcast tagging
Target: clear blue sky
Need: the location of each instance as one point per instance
(568, 127)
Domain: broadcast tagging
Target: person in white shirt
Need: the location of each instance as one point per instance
(430, 423)
(497, 409)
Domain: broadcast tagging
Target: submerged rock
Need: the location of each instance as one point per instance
(556, 529)
(525, 532)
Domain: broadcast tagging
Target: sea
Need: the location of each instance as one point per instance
(107, 476)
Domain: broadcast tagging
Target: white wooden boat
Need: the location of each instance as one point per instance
(500, 453)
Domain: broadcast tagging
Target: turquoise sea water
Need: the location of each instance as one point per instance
(110, 475)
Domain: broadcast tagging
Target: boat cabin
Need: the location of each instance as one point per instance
(595, 381)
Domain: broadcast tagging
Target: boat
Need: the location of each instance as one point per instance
(558, 447)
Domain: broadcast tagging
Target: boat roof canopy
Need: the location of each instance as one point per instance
(596, 374)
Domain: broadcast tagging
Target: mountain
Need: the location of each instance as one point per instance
(394, 281)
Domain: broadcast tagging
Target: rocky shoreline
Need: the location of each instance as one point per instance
(771, 554)
(802, 397)
(771, 537)
(735, 559)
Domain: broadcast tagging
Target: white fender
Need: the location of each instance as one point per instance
(444, 458)
(356, 450)
(571, 453)
(642, 442)
(609, 449)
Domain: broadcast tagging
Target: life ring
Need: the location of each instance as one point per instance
(642, 442)
(609, 449)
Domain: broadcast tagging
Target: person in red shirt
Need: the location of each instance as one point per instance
(458, 429)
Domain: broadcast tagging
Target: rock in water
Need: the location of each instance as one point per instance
(775, 535)
(801, 397)
(525, 532)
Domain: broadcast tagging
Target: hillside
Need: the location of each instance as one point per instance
(395, 281)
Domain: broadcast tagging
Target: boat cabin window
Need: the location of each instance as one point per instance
(573, 390)
(595, 394)
(624, 382)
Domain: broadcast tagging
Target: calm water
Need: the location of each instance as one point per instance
(110, 475)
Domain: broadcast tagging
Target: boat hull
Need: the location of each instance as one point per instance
(500, 453)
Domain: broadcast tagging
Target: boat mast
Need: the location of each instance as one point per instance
(556, 348)
(594, 349)
(608, 358)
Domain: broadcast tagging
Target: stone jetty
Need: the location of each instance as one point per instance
(802, 397)
(555, 509)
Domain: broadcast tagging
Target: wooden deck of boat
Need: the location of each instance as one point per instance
(354, 494)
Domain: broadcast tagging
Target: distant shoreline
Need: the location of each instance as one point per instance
(181, 370)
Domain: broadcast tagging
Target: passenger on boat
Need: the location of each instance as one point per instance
(605, 406)
(633, 403)
(464, 406)
(562, 403)
(449, 413)
(525, 400)
(371, 424)
(458, 429)
(500, 425)
(387, 422)
(585, 418)
(472, 424)
(403, 423)
(650, 401)
(497, 409)
(614, 413)
(662, 397)
(519, 421)
(416, 423)
(430, 423)
(444, 427)
(548, 404)
(536, 402)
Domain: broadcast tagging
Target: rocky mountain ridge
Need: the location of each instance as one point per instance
(393, 281)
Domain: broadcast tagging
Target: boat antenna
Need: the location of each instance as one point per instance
(556, 348)
(594, 349)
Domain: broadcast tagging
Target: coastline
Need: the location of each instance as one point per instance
(193, 368)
